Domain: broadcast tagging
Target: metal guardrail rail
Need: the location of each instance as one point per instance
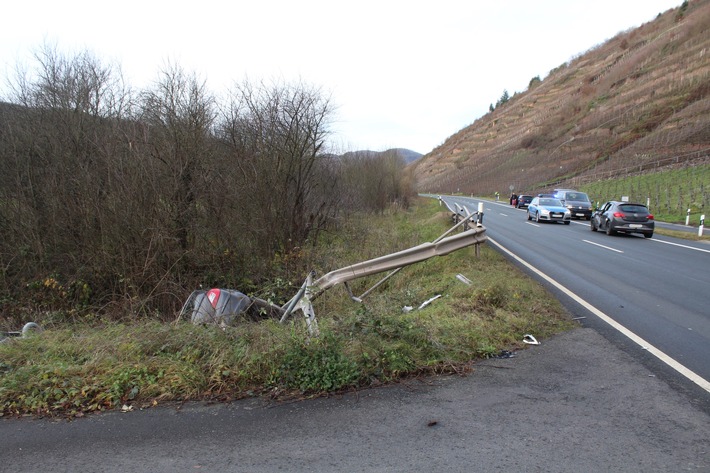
(310, 290)
(222, 305)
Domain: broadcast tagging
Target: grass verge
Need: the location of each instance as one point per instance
(73, 369)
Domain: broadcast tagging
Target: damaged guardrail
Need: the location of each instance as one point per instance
(223, 305)
(26, 330)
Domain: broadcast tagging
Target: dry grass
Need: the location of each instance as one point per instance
(80, 368)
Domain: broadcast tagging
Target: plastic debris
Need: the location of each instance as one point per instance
(219, 306)
(407, 308)
(463, 279)
(530, 340)
(429, 301)
(503, 354)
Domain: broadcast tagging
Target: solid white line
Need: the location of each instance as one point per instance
(682, 246)
(602, 246)
(694, 377)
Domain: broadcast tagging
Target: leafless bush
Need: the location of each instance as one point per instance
(123, 202)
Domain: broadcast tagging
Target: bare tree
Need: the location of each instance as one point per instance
(276, 136)
(56, 161)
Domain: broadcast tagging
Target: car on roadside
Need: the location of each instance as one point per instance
(623, 217)
(547, 209)
(523, 201)
(578, 203)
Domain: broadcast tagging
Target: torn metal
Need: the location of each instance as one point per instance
(223, 306)
(28, 328)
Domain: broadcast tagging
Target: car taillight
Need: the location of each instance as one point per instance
(619, 215)
(650, 217)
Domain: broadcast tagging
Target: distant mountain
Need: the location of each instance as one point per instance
(639, 101)
(407, 155)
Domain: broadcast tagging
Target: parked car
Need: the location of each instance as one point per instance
(546, 209)
(623, 217)
(523, 201)
(577, 202)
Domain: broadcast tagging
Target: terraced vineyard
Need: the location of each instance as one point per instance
(639, 102)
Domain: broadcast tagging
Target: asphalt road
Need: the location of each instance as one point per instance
(584, 401)
(656, 288)
(575, 403)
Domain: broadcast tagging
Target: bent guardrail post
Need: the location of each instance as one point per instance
(310, 289)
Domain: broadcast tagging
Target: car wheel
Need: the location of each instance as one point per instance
(609, 230)
(529, 217)
(592, 226)
(648, 235)
(537, 217)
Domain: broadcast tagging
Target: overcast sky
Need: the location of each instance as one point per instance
(402, 73)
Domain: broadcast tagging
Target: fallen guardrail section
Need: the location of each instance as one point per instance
(28, 328)
(223, 306)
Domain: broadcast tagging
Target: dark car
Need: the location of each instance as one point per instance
(577, 202)
(523, 201)
(545, 209)
(623, 217)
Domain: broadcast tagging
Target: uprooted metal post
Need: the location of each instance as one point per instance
(443, 245)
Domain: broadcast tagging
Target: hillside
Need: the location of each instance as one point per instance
(407, 155)
(640, 100)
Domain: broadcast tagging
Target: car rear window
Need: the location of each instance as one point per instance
(631, 208)
(577, 196)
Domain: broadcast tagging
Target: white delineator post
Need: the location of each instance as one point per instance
(702, 224)
(687, 218)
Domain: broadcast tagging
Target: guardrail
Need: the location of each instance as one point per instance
(222, 305)
(443, 245)
(26, 330)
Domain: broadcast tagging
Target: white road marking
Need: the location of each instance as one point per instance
(692, 376)
(682, 246)
(602, 246)
(533, 224)
(503, 215)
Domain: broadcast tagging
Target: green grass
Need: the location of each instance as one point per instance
(71, 369)
(669, 193)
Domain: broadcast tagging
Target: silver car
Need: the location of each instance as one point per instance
(547, 209)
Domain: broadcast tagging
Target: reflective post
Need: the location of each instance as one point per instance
(702, 224)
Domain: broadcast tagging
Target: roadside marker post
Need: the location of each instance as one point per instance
(702, 224)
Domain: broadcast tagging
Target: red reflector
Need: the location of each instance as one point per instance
(619, 215)
(650, 217)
